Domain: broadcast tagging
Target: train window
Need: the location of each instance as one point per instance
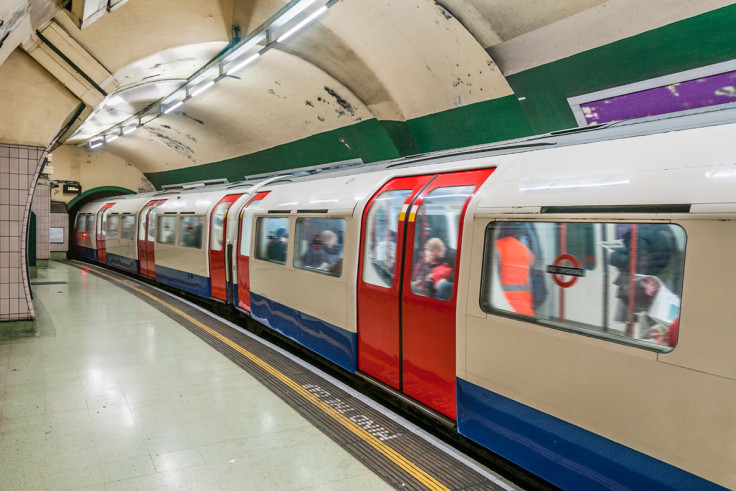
(166, 230)
(190, 232)
(626, 287)
(128, 228)
(437, 227)
(245, 227)
(318, 245)
(90, 224)
(112, 226)
(81, 223)
(272, 239)
(217, 231)
(379, 248)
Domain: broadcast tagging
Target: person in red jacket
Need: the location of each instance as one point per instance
(515, 263)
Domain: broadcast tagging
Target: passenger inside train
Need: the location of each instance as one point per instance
(434, 273)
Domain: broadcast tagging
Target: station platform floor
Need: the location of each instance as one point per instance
(115, 394)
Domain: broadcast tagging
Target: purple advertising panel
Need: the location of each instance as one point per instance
(702, 92)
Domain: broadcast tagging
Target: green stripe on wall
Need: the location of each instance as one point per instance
(366, 140)
(691, 43)
(370, 140)
(483, 122)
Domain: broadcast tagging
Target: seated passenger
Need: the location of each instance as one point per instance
(316, 257)
(438, 271)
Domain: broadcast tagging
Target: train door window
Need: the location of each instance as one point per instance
(152, 224)
(246, 227)
(218, 226)
(111, 228)
(142, 223)
(102, 224)
(166, 230)
(190, 232)
(382, 226)
(128, 227)
(619, 281)
(318, 245)
(272, 239)
(436, 233)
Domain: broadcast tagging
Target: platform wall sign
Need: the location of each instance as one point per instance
(72, 188)
(56, 235)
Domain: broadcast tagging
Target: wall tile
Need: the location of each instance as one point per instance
(19, 167)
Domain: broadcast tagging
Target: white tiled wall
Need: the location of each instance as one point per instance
(19, 167)
(42, 209)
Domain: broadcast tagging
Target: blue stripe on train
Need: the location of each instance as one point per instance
(188, 282)
(564, 454)
(124, 263)
(332, 342)
(87, 253)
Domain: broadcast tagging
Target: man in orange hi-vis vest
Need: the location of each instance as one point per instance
(515, 262)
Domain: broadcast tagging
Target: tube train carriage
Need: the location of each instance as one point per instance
(566, 299)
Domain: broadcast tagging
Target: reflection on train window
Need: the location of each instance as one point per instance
(272, 239)
(101, 223)
(190, 232)
(619, 281)
(142, 223)
(152, 223)
(166, 230)
(128, 230)
(82, 223)
(218, 226)
(319, 245)
(111, 228)
(382, 226)
(436, 232)
(245, 227)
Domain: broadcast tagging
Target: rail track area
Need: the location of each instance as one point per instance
(402, 454)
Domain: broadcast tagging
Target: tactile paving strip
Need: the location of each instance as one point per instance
(402, 459)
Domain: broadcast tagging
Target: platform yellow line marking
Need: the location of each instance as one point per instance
(398, 459)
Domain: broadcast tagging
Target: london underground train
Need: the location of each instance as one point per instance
(565, 300)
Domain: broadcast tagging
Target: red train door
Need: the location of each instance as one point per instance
(246, 223)
(146, 237)
(406, 331)
(100, 232)
(217, 251)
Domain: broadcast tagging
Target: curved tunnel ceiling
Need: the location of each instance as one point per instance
(390, 62)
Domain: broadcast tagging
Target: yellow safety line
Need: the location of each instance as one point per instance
(374, 442)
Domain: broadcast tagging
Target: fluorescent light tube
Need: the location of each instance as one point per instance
(173, 107)
(110, 138)
(203, 88)
(129, 129)
(303, 23)
(96, 144)
(240, 65)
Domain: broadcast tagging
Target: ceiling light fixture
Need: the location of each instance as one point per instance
(167, 111)
(245, 62)
(215, 71)
(303, 23)
(202, 88)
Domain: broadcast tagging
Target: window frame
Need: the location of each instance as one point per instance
(485, 292)
(298, 253)
(260, 230)
(159, 225)
(180, 228)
